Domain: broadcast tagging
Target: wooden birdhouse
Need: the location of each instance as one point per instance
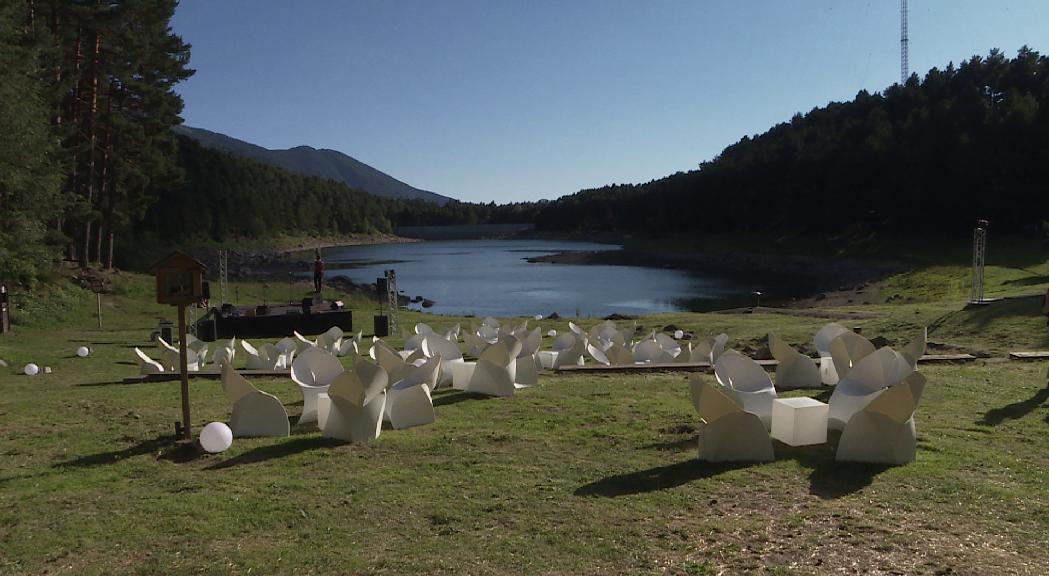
(180, 280)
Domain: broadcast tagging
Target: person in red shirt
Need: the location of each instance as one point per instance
(318, 272)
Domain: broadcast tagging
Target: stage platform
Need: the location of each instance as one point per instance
(275, 321)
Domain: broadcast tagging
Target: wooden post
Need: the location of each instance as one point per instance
(184, 366)
(98, 295)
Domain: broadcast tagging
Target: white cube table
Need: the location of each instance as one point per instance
(799, 421)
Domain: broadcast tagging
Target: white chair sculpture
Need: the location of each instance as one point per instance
(648, 351)
(494, 372)
(710, 349)
(846, 350)
(169, 358)
(199, 346)
(618, 355)
(882, 432)
(821, 342)
(331, 340)
(668, 344)
(475, 345)
(527, 370)
(868, 377)
(408, 401)
(605, 334)
(795, 370)
(257, 358)
(915, 349)
(576, 329)
(349, 346)
(223, 356)
(301, 342)
(449, 353)
(255, 413)
(314, 370)
(747, 382)
(356, 403)
(727, 432)
(286, 348)
(390, 359)
(597, 354)
(685, 356)
(567, 350)
(147, 365)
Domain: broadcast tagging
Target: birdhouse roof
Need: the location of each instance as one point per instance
(178, 261)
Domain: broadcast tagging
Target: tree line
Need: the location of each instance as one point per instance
(224, 196)
(928, 156)
(86, 95)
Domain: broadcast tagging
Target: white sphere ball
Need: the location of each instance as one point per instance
(31, 369)
(552, 333)
(83, 351)
(538, 317)
(679, 334)
(216, 437)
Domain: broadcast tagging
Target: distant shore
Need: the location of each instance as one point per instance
(797, 281)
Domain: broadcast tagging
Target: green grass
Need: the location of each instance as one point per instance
(583, 474)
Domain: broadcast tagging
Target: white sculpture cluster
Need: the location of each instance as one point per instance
(875, 396)
(876, 390)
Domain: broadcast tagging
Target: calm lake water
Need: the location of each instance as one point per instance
(492, 278)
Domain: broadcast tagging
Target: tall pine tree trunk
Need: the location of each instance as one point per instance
(89, 179)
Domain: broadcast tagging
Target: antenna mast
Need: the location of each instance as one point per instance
(904, 40)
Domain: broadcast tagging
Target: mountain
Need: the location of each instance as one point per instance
(323, 163)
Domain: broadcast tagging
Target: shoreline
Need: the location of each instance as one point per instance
(798, 281)
(785, 281)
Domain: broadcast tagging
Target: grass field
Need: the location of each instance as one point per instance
(583, 474)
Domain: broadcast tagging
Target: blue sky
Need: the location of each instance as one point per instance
(493, 100)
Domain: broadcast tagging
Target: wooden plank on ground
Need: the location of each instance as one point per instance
(171, 376)
(642, 368)
(942, 358)
(1038, 355)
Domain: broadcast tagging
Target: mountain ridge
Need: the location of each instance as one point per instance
(320, 162)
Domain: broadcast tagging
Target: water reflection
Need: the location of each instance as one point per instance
(492, 278)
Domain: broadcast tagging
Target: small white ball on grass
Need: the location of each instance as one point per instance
(552, 333)
(679, 334)
(31, 369)
(538, 317)
(216, 437)
(83, 351)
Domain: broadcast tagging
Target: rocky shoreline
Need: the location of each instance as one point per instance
(280, 262)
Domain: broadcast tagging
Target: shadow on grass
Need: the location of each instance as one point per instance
(456, 397)
(280, 450)
(828, 479)
(164, 447)
(1029, 281)
(686, 443)
(658, 478)
(108, 383)
(1016, 410)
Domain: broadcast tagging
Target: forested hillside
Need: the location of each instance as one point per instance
(328, 164)
(224, 196)
(930, 156)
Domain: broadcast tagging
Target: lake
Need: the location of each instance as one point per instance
(492, 278)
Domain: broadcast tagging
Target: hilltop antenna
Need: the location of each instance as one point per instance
(904, 41)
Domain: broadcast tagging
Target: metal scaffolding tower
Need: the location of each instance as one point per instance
(391, 298)
(223, 276)
(979, 254)
(904, 41)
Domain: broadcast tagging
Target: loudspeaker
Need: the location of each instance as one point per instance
(382, 325)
